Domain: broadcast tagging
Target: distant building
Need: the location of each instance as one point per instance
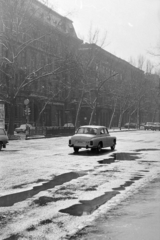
(152, 113)
(111, 72)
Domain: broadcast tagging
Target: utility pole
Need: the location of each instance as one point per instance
(27, 113)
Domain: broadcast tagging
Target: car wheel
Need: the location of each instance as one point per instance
(0, 146)
(113, 146)
(99, 148)
(76, 149)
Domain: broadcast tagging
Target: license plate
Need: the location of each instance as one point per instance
(80, 142)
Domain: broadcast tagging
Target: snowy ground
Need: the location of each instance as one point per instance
(47, 192)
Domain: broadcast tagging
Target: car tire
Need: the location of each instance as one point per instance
(113, 146)
(76, 149)
(99, 148)
(1, 146)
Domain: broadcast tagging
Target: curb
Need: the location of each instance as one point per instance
(16, 137)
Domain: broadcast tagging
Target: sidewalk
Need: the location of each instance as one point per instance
(22, 136)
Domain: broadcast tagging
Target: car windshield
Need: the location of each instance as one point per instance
(87, 131)
(23, 126)
(2, 132)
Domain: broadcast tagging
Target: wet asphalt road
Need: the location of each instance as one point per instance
(138, 217)
(79, 188)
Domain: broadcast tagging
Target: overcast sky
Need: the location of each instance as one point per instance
(133, 26)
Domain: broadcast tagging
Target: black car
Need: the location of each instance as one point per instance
(130, 125)
(148, 126)
(156, 126)
(3, 138)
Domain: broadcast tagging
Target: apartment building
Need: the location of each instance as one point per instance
(37, 48)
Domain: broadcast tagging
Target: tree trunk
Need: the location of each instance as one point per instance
(138, 118)
(78, 110)
(154, 115)
(129, 120)
(112, 116)
(91, 118)
(11, 117)
(120, 121)
(77, 113)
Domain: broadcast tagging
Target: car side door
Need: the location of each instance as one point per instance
(102, 136)
(108, 139)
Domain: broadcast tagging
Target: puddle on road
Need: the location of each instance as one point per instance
(89, 206)
(11, 199)
(9, 151)
(128, 183)
(147, 161)
(24, 184)
(120, 157)
(13, 237)
(147, 149)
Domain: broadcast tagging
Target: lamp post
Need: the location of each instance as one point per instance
(2, 114)
(27, 113)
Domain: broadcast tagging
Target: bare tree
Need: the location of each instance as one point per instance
(95, 37)
(141, 61)
(29, 58)
(149, 66)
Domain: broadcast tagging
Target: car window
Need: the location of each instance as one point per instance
(87, 131)
(102, 131)
(23, 126)
(2, 132)
(93, 131)
(105, 131)
(149, 123)
(81, 130)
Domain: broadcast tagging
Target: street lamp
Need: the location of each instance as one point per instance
(27, 113)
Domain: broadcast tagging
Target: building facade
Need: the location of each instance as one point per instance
(109, 88)
(35, 58)
(65, 80)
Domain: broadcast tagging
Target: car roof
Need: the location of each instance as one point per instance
(92, 126)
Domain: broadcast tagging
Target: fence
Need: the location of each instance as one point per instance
(52, 131)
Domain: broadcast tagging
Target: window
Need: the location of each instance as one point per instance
(102, 131)
(105, 131)
(2, 132)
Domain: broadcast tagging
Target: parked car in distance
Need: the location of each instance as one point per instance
(68, 125)
(148, 126)
(156, 126)
(3, 138)
(23, 128)
(92, 137)
(130, 125)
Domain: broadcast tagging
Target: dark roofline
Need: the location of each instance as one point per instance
(50, 9)
(38, 2)
(113, 56)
